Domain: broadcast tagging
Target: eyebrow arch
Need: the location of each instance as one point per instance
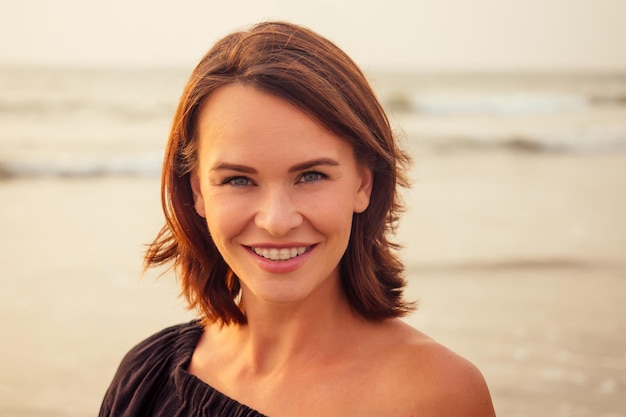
(225, 166)
(313, 163)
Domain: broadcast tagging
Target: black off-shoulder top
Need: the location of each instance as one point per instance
(152, 380)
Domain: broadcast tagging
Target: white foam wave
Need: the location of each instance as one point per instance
(146, 164)
(508, 104)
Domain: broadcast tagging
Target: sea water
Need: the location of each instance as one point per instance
(93, 122)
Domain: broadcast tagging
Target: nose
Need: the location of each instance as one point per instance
(277, 214)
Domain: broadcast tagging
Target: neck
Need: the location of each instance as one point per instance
(278, 336)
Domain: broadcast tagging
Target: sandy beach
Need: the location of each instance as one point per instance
(518, 260)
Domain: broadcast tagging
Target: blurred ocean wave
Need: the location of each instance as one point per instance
(80, 122)
(51, 106)
(96, 164)
(562, 113)
(495, 104)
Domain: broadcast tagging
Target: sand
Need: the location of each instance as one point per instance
(518, 260)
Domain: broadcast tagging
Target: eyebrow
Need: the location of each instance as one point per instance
(314, 163)
(225, 166)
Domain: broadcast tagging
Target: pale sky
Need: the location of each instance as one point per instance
(427, 35)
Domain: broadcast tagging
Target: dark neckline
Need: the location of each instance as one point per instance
(193, 389)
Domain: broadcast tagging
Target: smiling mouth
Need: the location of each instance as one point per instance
(280, 255)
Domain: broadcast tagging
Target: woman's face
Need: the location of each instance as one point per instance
(278, 193)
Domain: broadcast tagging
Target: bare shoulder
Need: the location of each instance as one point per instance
(431, 380)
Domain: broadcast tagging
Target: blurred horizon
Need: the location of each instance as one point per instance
(187, 68)
(111, 122)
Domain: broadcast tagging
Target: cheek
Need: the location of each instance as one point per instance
(329, 214)
(224, 218)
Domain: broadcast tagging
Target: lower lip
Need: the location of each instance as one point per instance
(281, 267)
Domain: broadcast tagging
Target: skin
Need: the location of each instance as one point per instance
(270, 177)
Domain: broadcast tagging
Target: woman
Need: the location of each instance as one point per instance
(280, 190)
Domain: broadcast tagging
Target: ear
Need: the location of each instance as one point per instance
(364, 192)
(198, 200)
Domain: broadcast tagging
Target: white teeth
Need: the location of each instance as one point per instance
(283, 254)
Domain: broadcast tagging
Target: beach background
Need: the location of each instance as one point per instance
(514, 236)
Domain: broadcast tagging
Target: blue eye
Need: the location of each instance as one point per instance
(238, 181)
(311, 176)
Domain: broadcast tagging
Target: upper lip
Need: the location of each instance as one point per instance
(280, 245)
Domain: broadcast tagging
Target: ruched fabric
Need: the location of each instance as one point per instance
(152, 380)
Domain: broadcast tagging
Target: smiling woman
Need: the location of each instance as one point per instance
(332, 96)
(280, 192)
(270, 182)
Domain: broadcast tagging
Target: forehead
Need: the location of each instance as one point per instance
(242, 121)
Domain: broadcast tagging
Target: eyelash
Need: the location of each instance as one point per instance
(319, 176)
(232, 181)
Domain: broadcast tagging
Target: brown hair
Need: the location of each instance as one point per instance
(310, 72)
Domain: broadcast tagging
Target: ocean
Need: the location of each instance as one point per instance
(514, 236)
(95, 122)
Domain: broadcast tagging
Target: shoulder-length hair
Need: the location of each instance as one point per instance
(307, 70)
